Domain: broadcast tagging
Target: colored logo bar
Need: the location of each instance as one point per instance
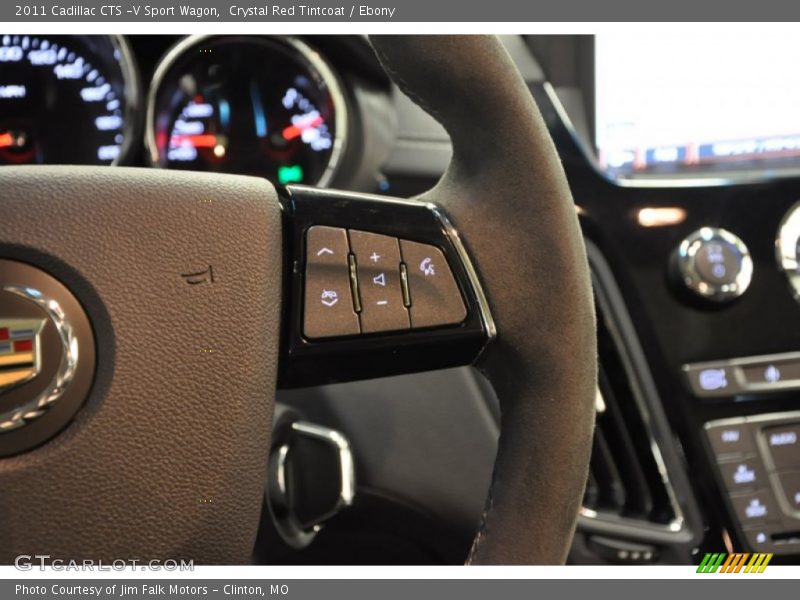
(737, 562)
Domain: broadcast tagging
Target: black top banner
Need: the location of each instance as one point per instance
(463, 11)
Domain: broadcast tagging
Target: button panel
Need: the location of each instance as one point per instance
(360, 282)
(758, 460)
(329, 308)
(375, 344)
(755, 374)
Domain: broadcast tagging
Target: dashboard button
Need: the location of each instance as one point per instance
(790, 483)
(743, 475)
(328, 301)
(731, 439)
(777, 373)
(711, 379)
(784, 446)
(435, 297)
(759, 539)
(756, 508)
(378, 266)
(751, 374)
(718, 262)
(714, 264)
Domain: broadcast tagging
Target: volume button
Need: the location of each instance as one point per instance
(354, 283)
(377, 259)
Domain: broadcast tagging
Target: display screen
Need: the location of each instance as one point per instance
(696, 104)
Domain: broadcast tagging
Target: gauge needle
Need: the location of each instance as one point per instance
(202, 140)
(294, 131)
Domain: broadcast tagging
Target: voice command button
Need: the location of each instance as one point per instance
(435, 297)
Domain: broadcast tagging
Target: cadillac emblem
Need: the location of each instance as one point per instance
(20, 351)
(47, 357)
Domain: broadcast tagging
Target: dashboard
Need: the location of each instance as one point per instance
(693, 233)
(274, 107)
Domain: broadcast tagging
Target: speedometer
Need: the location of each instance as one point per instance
(66, 99)
(269, 107)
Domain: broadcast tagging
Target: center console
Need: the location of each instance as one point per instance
(707, 266)
(758, 465)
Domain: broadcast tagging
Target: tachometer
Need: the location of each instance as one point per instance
(66, 99)
(269, 107)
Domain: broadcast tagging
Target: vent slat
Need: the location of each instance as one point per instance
(610, 491)
(625, 480)
(639, 501)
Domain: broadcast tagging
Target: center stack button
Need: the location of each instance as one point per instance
(328, 302)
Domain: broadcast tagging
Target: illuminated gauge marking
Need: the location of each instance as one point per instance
(62, 100)
(307, 124)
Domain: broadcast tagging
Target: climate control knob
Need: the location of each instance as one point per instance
(713, 264)
(787, 246)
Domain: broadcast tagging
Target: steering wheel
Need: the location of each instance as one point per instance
(147, 317)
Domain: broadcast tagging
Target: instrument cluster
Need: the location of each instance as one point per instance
(272, 107)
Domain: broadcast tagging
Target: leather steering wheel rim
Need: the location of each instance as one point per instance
(506, 193)
(168, 455)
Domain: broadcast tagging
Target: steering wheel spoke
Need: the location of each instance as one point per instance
(378, 286)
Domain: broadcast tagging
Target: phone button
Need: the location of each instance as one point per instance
(433, 292)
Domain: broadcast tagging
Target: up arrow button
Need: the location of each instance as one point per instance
(328, 309)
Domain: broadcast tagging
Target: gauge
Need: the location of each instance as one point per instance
(270, 107)
(66, 99)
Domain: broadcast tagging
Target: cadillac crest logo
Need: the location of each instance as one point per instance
(47, 356)
(20, 351)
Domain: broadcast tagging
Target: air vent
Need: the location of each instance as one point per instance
(638, 506)
(626, 480)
